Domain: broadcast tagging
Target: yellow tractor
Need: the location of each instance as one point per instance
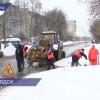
(37, 54)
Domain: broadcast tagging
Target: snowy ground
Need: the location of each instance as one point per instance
(63, 83)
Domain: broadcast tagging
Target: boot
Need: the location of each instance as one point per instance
(48, 68)
(53, 67)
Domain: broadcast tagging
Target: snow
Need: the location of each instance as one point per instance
(11, 39)
(9, 50)
(63, 83)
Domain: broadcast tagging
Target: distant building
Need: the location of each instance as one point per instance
(21, 23)
(71, 24)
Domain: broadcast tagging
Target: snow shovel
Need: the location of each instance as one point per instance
(98, 59)
(81, 65)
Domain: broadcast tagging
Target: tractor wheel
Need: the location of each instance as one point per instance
(64, 54)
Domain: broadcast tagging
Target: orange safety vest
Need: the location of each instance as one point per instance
(45, 53)
(24, 52)
(77, 53)
(50, 56)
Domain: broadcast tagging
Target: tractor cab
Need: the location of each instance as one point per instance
(51, 35)
(48, 37)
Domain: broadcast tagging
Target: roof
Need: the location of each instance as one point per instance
(11, 39)
(49, 32)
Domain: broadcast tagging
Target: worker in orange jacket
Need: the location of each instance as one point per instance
(50, 57)
(76, 56)
(92, 55)
(25, 52)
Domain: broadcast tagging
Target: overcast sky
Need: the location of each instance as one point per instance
(73, 10)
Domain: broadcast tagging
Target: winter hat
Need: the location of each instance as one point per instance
(93, 46)
(82, 49)
(48, 45)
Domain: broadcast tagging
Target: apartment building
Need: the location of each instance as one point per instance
(71, 24)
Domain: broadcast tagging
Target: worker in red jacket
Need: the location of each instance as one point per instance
(76, 56)
(92, 55)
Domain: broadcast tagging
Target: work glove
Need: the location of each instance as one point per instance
(86, 58)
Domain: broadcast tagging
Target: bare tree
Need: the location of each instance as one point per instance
(94, 7)
(56, 21)
(35, 8)
(22, 18)
(95, 19)
(5, 25)
(95, 12)
(31, 17)
(95, 29)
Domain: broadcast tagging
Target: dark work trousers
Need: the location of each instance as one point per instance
(74, 60)
(20, 65)
(45, 61)
(51, 63)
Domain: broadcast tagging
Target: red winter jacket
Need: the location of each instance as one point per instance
(77, 53)
(93, 52)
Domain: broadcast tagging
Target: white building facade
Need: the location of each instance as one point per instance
(71, 24)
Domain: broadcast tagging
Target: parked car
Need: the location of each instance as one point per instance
(25, 43)
(15, 41)
(34, 44)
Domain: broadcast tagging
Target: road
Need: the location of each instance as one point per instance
(29, 69)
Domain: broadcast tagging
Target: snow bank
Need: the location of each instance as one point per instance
(9, 50)
(71, 83)
(72, 42)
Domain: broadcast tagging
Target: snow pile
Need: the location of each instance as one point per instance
(9, 50)
(68, 43)
(11, 39)
(72, 83)
(73, 42)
